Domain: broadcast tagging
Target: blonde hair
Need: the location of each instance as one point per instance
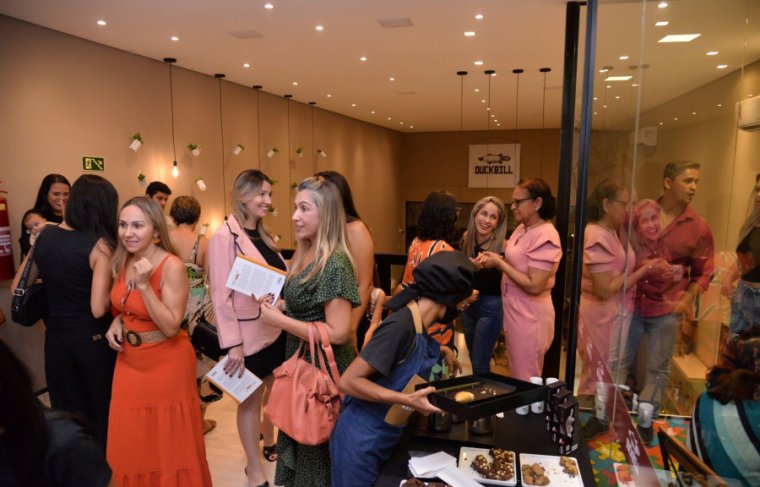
(331, 233)
(496, 240)
(248, 182)
(155, 215)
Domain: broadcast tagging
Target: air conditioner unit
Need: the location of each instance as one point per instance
(749, 114)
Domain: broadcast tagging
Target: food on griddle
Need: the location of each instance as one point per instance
(464, 396)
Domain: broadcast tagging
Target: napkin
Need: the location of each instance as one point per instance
(430, 465)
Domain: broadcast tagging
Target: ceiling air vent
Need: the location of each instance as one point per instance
(245, 34)
(396, 22)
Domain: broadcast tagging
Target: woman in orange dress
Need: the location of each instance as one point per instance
(155, 436)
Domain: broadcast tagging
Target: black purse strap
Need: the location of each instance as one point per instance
(235, 237)
(22, 283)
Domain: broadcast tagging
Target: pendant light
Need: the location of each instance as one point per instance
(461, 75)
(219, 76)
(258, 123)
(543, 111)
(170, 61)
(319, 152)
(517, 72)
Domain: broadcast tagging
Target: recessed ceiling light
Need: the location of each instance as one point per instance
(488, 109)
(675, 119)
(469, 33)
(493, 116)
(479, 17)
(722, 66)
(411, 126)
(661, 123)
(604, 106)
(246, 65)
(634, 84)
(389, 118)
(363, 58)
(609, 86)
(662, 5)
(295, 83)
(693, 113)
(617, 97)
(496, 121)
(478, 63)
(482, 101)
(678, 38)
(662, 23)
(623, 58)
(712, 53)
(476, 90)
(391, 79)
(320, 28)
(617, 78)
(372, 112)
(720, 105)
(102, 22)
(353, 104)
(603, 70)
(268, 6)
(498, 125)
(329, 95)
(174, 38)
(595, 98)
(401, 123)
(595, 113)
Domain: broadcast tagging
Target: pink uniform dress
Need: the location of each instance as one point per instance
(602, 322)
(528, 319)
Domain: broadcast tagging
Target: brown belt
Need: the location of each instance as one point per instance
(136, 339)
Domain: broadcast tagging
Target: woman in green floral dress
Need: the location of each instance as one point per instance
(321, 286)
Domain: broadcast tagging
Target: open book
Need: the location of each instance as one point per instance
(238, 387)
(255, 278)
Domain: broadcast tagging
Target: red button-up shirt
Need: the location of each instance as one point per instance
(688, 242)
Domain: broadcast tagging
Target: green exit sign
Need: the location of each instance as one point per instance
(93, 164)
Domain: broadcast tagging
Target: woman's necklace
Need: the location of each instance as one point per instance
(526, 229)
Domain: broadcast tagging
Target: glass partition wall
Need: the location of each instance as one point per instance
(672, 169)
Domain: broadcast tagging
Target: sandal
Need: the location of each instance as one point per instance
(270, 453)
(208, 425)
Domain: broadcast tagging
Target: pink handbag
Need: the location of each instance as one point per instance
(305, 401)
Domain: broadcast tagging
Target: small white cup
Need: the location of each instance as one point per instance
(646, 410)
(523, 410)
(538, 406)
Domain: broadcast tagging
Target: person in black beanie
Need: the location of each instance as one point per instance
(391, 363)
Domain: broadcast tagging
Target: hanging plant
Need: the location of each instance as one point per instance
(201, 184)
(140, 177)
(238, 149)
(274, 181)
(194, 149)
(293, 185)
(299, 152)
(136, 143)
(272, 152)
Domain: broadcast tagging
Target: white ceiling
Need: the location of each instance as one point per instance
(423, 58)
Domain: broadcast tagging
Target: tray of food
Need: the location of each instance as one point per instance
(494, 466)
(476, 396)
(549, 470)
(415, 482)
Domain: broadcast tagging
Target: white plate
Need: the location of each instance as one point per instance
(553, 469)
(467, 456)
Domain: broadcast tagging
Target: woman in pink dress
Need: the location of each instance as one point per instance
(606, 293)
(531, 259)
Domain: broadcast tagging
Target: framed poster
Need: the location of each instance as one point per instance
(494, 166)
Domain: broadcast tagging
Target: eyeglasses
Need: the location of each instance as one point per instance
(130, 288)
(518, 201)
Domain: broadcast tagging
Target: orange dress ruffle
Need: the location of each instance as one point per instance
(155, 437)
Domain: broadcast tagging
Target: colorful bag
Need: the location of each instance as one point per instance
(305, 401)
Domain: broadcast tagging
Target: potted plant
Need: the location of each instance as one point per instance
(321, 153)
(299, 152)
(238, 149)
(272, 152)
(201, 184)
(136, 143)
(194, 149)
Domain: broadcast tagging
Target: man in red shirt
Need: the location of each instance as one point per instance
(663, 299)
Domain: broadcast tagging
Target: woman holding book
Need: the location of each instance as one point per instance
(251, 345)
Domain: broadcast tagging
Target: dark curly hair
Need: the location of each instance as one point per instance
(438, 217)
(537, 188)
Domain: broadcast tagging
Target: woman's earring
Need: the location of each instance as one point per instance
(156, 240)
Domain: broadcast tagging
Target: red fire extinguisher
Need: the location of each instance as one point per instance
(6, 253)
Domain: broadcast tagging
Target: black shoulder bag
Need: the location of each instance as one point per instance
(29, 303)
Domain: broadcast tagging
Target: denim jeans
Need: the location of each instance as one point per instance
(745, 307)
(482, 321)
(661, 332)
